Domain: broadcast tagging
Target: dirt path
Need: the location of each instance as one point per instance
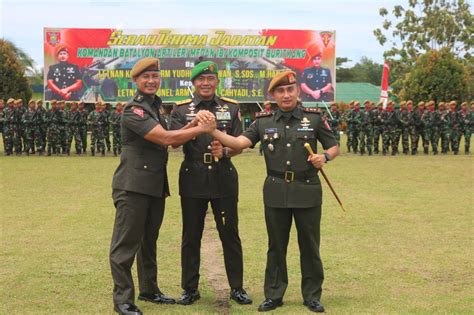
(213, 265)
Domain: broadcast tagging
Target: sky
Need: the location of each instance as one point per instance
(22, 21)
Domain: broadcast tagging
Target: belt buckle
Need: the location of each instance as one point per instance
(289, 176)
(207, 158)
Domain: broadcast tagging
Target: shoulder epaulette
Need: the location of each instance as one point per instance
(189, 100)
(229, 100)
(262, 114)
(311, 110)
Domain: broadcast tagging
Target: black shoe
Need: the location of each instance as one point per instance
(269, 305)
(189, 297)
(127, 309)
(314, 306)
(240, 296)
(158, 298)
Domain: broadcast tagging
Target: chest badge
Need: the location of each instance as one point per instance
(190, 116)
(305, 123)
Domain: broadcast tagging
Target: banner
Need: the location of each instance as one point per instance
(92, 64)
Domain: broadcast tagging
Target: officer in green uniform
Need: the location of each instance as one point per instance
(140, 186)
(292, 188)
(207, 175)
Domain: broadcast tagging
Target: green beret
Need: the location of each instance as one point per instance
(205, 67)
(282, 78)
(145, 64)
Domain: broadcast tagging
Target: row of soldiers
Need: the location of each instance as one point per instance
(52, 131)
(408, 122)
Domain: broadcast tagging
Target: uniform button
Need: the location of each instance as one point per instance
(209, 167)
(306, 137)
(307, 180)
(144, 166)
(288, 145)
(208, 147)
(187, 169)
(231, 168)
(287, 127)
(288, 162)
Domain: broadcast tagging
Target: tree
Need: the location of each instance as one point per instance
(438, 76)
(12, 74)
(423, 26)
(365, 70)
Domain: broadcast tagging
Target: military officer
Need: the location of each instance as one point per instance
(55, 120)
(64, 79)
(75, 128)
(115, 120)
(207, 175)
(42, 118)
(334, 120)
(466, 120)
(140, 186)
(29, 122)
(292, 188)
(316, 81)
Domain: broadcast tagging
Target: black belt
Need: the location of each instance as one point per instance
(205, 158)
(290, 176)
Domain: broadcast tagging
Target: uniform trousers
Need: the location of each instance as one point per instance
(307, 221)
(138, 220)
(226, 218)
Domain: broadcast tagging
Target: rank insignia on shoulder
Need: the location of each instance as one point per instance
(311, 110)
(262, 114)
(229, 100)
(184, 102)
(138, 98)
(138, 111)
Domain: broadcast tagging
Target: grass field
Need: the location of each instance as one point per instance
(405, 244)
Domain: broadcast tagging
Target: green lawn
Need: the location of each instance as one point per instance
(405, 244)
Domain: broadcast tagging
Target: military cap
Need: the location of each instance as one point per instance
(18, 101)
(204, 67)
(145, 64)
(403, 103)
(464, 104)
(421, 103)
(39, 101)
(409, 102)
(430, 103)
(441, 104)
(282, 78)
(11, 100)
(53, 102)
(62, 48)
(372, 103)
(31, 102)
(313, 50)
(380, 103)
(80, 102)
(452, 103)
(366, 102)
(390, 102)
(356, 103)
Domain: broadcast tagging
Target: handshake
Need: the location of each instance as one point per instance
(205, 120)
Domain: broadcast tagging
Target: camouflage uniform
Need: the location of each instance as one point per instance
(366, 129)
(29, 122)
(106, 127)
(19, 131)
(390, 122)
(404, 117)
(334, 122)
(2, 122)
(434, 122)
(417, 127)
(115, 121)
(455, 127)
(355, 121)
(55, 128)
(10, 128)
(42, 126)
(377, 126)
(83, 126)
(345, 117)
(75, 129)
(466, 124)
(96, 124)
(444, 128)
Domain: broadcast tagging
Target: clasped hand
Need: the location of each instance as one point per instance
(205, 119)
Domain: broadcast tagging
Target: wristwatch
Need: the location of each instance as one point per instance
(327, 156)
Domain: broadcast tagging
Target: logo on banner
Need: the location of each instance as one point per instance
(326, 38)
(53, 38)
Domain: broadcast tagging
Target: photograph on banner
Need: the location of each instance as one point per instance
(95, 64)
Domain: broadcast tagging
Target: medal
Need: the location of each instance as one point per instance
(271, 147)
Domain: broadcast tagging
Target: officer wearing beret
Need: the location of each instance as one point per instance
(207, 175)
(10, 127)
(316, 81)
(292, 188)
(140, 186)
(64, 78)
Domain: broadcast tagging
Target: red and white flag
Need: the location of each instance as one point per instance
(384, 86)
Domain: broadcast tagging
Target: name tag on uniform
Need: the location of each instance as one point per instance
(270, 131)
(223, 115)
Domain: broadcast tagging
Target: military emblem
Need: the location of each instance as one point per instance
(291, 78)
(190, 116)
(211, 67)
(324, 73)
(305, 123)
(326, 38)
(310, 76)
(53, 38)
(138, 111)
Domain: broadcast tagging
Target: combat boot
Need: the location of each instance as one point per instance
(115, 152)
(103, 152)
(92, 152)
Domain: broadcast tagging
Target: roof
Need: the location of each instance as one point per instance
(348, 91)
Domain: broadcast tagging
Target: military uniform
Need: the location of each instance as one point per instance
(466, 118)
(140, 185)
(316, 79)
(366, 130)
(63, 74)
(2, 124)
(75, 130)
(455, 128)
(55, 127)
(42, 126)
(334, 120)
(115, 120)
(83, 128)
(418, 129)
(29, 122)
(202, 180)
(10, 127)
(390, 122)
(355, 121)
(404, 118)
(378, 127)
(96, 121)
(292, 189)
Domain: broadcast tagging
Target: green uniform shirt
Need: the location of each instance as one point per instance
(142, 166)
(283, 142)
